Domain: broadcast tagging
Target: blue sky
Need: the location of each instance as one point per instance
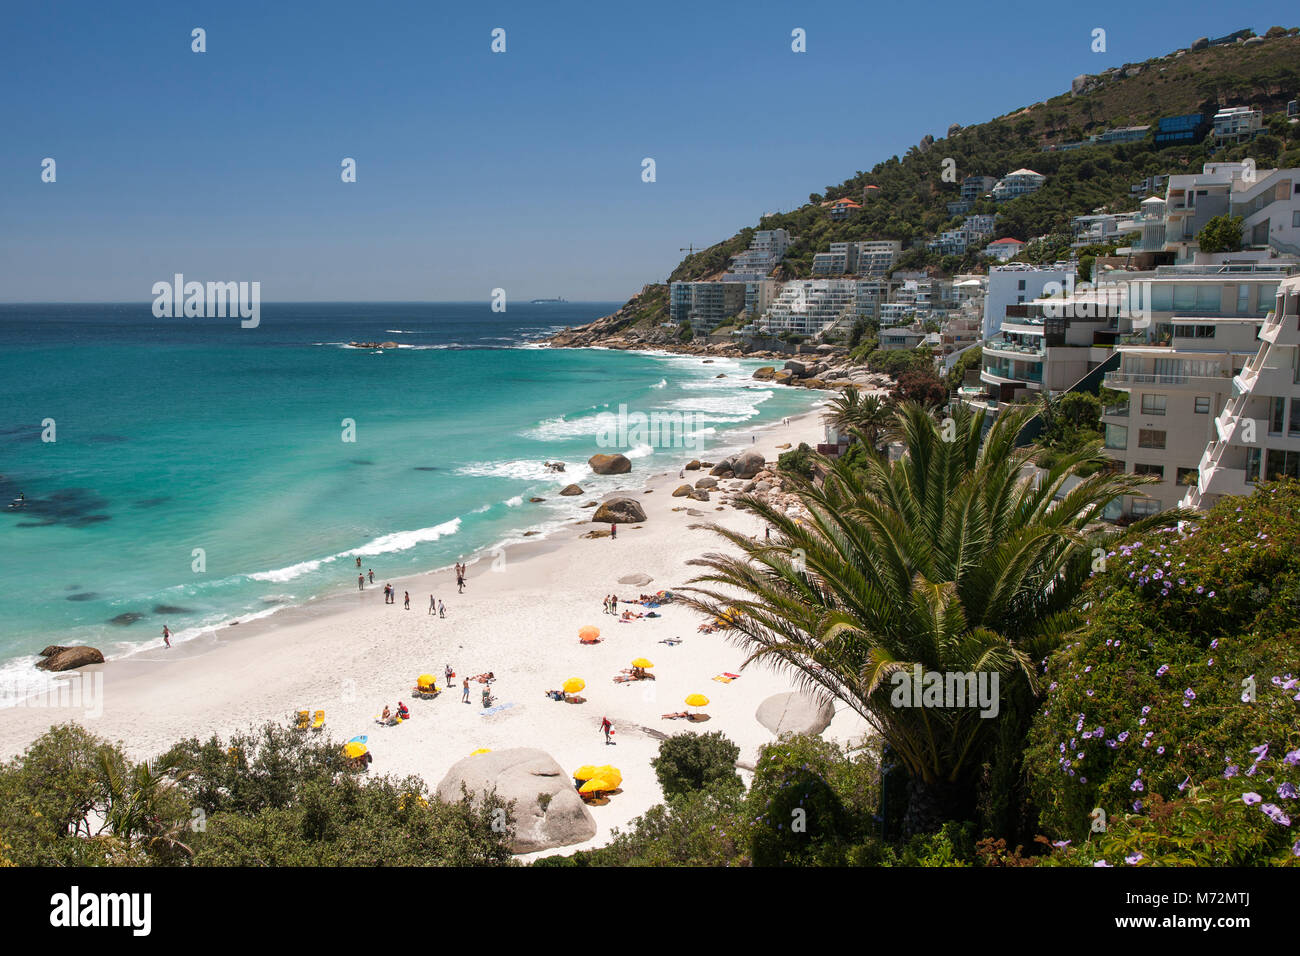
(477, 170)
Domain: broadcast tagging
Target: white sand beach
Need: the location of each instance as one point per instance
(519, 617)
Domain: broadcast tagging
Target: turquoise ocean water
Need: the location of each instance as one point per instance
(181, 434)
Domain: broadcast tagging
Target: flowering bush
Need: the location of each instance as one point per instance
(1182, 693)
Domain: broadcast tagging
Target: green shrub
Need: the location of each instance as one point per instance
(689, 762)
(1151, 694)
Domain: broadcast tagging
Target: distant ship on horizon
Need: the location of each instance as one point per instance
(546, 301)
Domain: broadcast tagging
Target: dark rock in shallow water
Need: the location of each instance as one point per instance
(170, 609)
(82, 596)
(362, 461)
(426, 467)
(130, 617)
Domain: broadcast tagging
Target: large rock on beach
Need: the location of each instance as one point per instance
(610, 464)
(640, 579)
(748, 464)
(619, 511)
(568, 491)
(765, 374)
(795, 713)
(707, 483)
(548, 811)
(58, 658)
(682, 491)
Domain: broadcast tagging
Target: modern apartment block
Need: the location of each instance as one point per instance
(808, 306)
(1237, 123)
(1177, 367)
(765, 252)
(1185, 128)
(759, 294)
(975, 187)
(973, 232)
(1124, 134)
(1268, 200)
(1256, 435)
(705, 305)
(842, 259)
(1017, 283)
(1021, 182)
(872, 258)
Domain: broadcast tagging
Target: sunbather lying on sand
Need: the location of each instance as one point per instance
(487, 678)
(555, 694)
(681, 715)
(671, 640)
(706, 628)
(629, 616)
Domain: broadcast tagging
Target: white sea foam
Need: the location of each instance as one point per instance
(292, 571)
(405, 540)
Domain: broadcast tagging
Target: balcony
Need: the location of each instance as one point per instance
(1129, 379)
(994, 345)
(1115, 411)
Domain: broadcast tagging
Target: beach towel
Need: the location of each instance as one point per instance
(493, 710)
(731, 675)
(723, 680)
(671, 641)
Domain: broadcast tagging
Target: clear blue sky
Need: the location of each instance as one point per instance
(519, 170)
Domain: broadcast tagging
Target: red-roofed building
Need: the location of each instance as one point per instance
(1004, 249)
(843, 208)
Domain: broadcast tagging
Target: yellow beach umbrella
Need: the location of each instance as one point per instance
(610, 775)
(596, 785)
(426, 680)
(588, 634)
(585, 772)
(641, 662)
(573, 685)
(481, 750)
(697, 700)
(354, 750)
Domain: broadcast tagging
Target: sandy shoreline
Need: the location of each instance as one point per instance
(350, 655)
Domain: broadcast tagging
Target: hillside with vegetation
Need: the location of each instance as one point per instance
(911, 198)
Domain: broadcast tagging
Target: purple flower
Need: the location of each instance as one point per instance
(1251, 798)
(1060, 844)
(1230, 772)
(1274, 813)
(1104, 863)
(1186, 780)
(1163, 670)
(1137, 786)
(1133, 858)
(1287, 791)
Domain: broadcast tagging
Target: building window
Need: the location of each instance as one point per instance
(1295, 216)
(1252, 465)
(1117, 436)
(1243, 299)
(1202, 405)
(1276, 409)
(1293, 427)
(1154, 404)
(1021, 285)
(1186, 476)
(1150, 438)
(1144, 506)
(1157, 470)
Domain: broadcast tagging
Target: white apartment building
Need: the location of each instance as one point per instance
(765, 252)
(705, 305)
(759, 295)
(1177, 367)
(877, 256)
(1268, 200)
(1237, 123)
(1256, 435)
(808, 306)
(1022, 182)
(842, 259)
(1017, 283)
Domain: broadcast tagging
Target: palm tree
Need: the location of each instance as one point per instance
(951, 558)
(142, 812)
(851, 412)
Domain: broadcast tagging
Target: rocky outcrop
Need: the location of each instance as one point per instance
(609, 464)
(765, 374)
(619, 511)
(693, 465)
(568, 491)
(547, 809)
(553, 465)
(747, 464)
(59, 658)
(707, 483)
(682, 491)
(795, 713)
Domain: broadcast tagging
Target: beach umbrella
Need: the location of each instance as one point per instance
(361, 739)
(641, 662)
(481, 750)
(353, 749)
(588, 634)
(573, 685)
(585, 772)
(611, 775)
(596, 785)
(697, 700)
(425, 680)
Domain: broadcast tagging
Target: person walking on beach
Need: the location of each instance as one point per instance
(448, 674)
(464, 697)
(406, 600)
(358, 560)
(607, 729)
(361, 582)
(460, 583)
(442, 609)
(372, 575)
(167, 635)
(433, 607)
(613, 531)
